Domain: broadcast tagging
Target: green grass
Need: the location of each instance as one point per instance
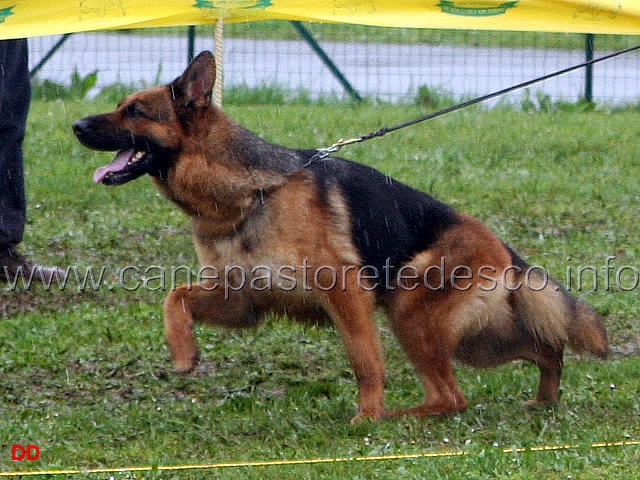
(86, 376)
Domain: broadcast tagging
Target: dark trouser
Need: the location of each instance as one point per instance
(15, 96)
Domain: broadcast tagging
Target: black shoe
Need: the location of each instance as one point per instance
(13, 265)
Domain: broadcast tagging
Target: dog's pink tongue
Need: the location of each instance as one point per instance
(117, 164)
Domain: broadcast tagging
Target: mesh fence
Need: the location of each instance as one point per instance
(379, 63)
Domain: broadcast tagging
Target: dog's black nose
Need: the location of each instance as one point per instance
(79, 126)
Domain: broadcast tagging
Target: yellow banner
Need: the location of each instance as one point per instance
(26, 18)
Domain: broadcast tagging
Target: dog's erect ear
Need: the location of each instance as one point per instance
(194, 86)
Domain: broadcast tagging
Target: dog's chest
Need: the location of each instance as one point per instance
(287, 240)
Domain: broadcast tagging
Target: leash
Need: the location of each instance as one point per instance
(325, 152)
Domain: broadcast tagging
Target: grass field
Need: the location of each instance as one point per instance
(85, 375)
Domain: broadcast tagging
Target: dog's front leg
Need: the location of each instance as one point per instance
(186, 305)
(352, 311)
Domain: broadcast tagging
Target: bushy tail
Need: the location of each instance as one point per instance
(556, 318)
(586, 331)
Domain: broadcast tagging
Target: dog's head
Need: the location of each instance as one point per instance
(148, 128)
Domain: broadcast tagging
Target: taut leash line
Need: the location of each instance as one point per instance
(325, 152)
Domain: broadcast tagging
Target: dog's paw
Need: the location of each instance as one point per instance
(185, 362)
(184, 366)
(371, 415)
(539, 405)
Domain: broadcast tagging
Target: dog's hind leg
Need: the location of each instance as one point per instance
(186, 305)
(433, 364)
(549, 362)
(422, 331)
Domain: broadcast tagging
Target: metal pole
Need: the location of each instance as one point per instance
(588, 73)
(49, 54)
(191, 46)
(306, 35)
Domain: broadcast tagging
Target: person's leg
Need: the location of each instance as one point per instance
(15, 97)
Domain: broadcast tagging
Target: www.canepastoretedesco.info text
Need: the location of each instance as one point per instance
(606, 277)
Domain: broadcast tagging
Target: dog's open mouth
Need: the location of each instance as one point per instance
(126, 166)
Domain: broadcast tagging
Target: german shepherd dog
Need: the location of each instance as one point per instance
(334, 239)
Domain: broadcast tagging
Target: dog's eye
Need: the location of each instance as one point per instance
(134, 110)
